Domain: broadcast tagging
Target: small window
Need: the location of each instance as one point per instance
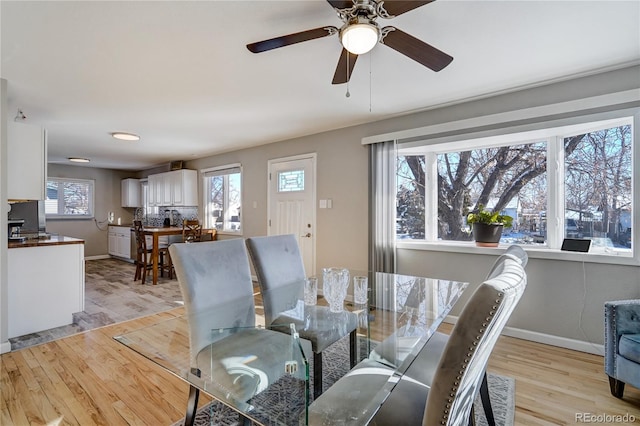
(223, 198)
(291, 181)
(69, 198)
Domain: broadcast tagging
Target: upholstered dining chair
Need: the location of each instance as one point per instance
(278, 265)
(143, 261)
(436, 344)
(215, 281)
(440, 386)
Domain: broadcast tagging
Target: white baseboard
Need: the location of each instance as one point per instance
(5, 347)
(547, 339)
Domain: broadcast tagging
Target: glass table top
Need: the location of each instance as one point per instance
(250, 367)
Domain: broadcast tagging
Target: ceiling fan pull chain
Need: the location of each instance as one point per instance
(348, 77)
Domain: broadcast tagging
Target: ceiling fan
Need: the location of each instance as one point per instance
(360, 33)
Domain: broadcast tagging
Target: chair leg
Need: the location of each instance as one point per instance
(192, 403)
(617, 387)
(353, 352)
(486, 401)
(317, 375)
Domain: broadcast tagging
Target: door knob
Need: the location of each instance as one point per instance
(307, 235)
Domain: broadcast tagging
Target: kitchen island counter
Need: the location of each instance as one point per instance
(45, 284)
(54, 240)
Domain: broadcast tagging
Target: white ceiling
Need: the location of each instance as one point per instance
(178, 74)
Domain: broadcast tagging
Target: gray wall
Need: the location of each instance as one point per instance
(107, 198)
(555, 303)
(342, 167)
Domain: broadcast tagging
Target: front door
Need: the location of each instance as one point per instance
(292, 203)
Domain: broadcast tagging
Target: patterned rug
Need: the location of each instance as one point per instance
(335, 365)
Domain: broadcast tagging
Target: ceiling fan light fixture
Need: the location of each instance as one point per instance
(360, 37)
(123, 136)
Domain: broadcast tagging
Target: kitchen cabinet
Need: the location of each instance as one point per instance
(120, 241)
(26, 161)
(176, 188)
(130, 193)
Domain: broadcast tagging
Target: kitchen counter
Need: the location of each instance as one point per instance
(55, 240)
(45, 284)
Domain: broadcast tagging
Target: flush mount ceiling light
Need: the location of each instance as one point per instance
(78, 160)
(360, 35)
(123, 136)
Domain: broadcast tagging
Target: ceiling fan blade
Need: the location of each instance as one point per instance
(342, 74)
(341, 4)
(395, 8)
(286, 40)
(415, 49)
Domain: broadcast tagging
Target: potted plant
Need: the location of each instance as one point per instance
(487, 226)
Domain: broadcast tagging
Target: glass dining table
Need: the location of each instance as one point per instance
(263, 374)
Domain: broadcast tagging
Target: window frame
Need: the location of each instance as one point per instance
(67, 216)
(554, 137)
(206, 213)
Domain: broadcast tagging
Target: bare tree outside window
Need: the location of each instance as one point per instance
(69, 198)
(224, 200)
(513, 180)
(598, 187)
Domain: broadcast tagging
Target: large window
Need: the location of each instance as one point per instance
(571, 182)
(223, 198)
(69, 198)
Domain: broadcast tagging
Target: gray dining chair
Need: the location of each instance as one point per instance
(278, 265)
(215, 281)
(388, 349)
(440, 386)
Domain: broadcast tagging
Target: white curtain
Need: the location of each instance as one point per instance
(382, 206)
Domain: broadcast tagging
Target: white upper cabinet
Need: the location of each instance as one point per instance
(130, 193)
(26, 162)
(176, 188)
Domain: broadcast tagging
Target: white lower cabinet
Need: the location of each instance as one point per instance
(120, 241)
(46, 287)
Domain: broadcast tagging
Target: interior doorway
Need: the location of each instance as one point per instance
(292, 203)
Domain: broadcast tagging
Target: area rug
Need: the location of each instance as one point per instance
(335, 365)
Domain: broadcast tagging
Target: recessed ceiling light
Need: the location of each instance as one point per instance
(79, 160)
(125, 136)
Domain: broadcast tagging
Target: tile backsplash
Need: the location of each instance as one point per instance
(156, 218)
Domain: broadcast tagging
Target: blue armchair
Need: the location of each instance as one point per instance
(622, 344)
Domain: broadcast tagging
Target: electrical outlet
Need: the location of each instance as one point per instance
(110, 217)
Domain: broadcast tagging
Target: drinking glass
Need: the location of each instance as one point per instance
(360, 288)
(311, 291)
(335, 282)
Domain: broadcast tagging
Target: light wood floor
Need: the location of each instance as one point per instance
(90, 379)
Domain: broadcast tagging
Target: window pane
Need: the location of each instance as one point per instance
(51, 203)
(76, 198)
(292, 180)
(410, 201)
(224, 200)
(508, 179)
(598, 188)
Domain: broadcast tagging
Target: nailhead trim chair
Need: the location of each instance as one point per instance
(440, 386)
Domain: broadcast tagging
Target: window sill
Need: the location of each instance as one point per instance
(533, 252)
